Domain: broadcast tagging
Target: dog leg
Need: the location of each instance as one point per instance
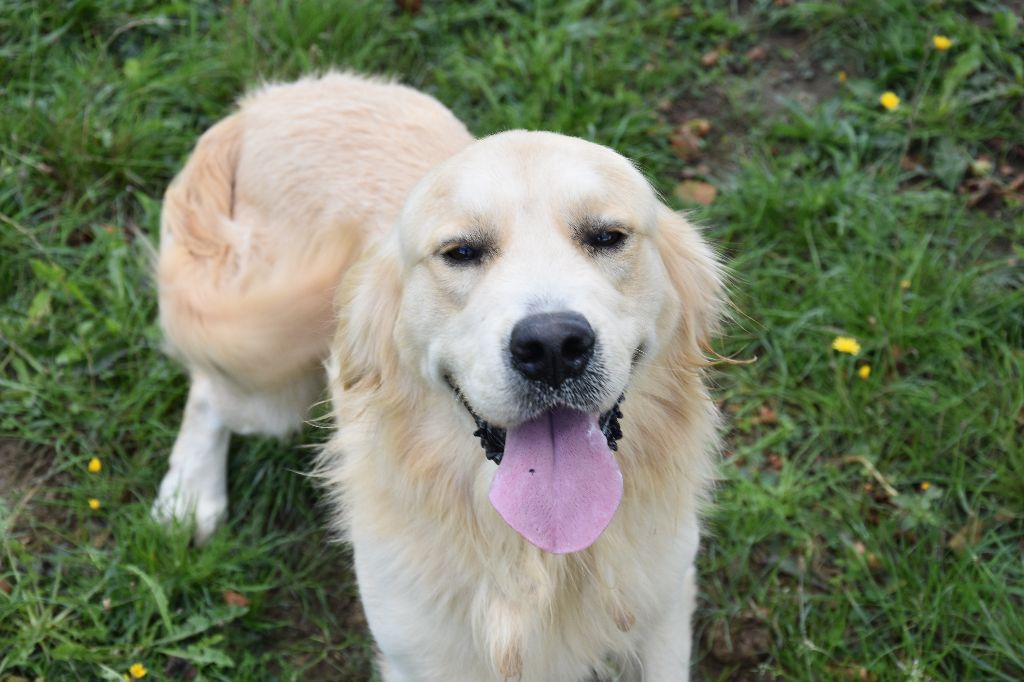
(665, 652)
(196, 484)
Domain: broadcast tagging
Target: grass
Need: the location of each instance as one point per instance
(864, 528)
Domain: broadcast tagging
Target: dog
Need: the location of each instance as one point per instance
(274, 203)
(524, 434)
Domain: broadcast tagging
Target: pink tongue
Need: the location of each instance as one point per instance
(558, 484)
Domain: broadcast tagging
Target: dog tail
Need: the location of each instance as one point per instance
(249, 301)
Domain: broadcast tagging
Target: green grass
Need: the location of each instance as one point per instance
(826, 203)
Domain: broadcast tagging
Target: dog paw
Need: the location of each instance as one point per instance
(174, 505)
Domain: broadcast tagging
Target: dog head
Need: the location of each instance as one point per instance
(531, 277)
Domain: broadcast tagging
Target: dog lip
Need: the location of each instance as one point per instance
(492, 438)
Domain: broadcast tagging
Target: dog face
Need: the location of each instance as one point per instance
(531, 277)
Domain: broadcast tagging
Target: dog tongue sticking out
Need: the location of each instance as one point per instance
(558, 484)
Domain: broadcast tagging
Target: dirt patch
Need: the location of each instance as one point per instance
(777, 68)
(32, 492)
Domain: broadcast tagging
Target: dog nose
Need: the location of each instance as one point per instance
(551, 347)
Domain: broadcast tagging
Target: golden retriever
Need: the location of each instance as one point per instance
(523, 437)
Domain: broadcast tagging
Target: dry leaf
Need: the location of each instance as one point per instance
(766, 415)
(968, 536)
(756, 53)
(685, 143)
(710, 58)
(410, 6)
(232, 598)
(696, 192)
(5, 586)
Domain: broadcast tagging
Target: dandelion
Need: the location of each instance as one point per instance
(841, 76)
(926, 485)
(846, 344)
(864, 372)
(941, 43)
(95, 465)
(138, 671)
(904, 284)
(94, 504)
(890, 100)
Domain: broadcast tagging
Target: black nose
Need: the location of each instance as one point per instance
(551, 347)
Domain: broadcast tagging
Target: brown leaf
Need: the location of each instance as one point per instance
(698, 126)
(757, 53)
(232, 598)
(5, 586)
(685, 143)
(766, 415)
(710, 58)
(696, 192)
(968, 536)
(410, 6)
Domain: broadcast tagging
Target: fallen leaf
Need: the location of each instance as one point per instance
(766, 415)
(756, 53)
(232, 598)
(5, 586)
(698, 126)
(685, 143)
(968, 536)
(410, 6)
(710, 58)
(696, 192)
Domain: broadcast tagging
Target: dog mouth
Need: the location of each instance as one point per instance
(558, 484)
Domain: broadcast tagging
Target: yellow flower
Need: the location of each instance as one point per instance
(95, 465)
(846, 344)
(941, 43)
(926, 485)
(138, 671)
(890, 100)
(841, 76)
(864, 372)
(94, 504)
(904, 284)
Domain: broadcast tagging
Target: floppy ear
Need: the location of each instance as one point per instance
(697, 276)
(367, 305)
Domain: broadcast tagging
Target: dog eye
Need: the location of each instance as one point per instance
(463, 254)
(605, 239)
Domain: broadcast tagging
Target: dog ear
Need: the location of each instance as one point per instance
(364, 349)
(697, 275)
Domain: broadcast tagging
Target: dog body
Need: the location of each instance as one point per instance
(525, 227)
(275, 202)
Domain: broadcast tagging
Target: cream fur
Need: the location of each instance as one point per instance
(450, 591)
(274, 203)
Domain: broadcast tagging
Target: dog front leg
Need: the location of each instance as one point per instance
(196, 483)
(665, 652)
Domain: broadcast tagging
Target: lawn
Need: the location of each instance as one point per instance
(869, 524)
